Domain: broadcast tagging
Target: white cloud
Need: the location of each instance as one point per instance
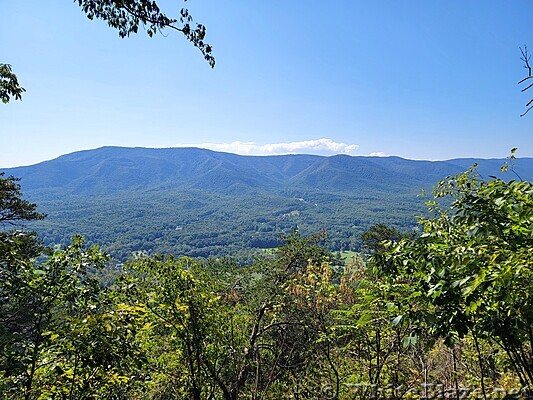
(317, 146)
(378, 154)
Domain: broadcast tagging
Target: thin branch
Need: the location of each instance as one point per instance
(155, 22)
(526, 88)
(275, 324)
(525, 58)
(527, 111)
(525, 79)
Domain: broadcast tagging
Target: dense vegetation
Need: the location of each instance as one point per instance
(201, 203)
(422, 317)
(200, 224)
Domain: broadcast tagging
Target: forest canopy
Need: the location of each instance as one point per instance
(429, 315)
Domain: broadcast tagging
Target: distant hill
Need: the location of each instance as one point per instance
(200, 202)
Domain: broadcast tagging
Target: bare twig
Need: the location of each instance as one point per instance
(526, 111)
(526, 88)
(525, 58)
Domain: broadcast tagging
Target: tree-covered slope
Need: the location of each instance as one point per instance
(199, 202)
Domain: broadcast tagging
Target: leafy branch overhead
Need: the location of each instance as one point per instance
(525, 58)
(9, 85)
(127, 15)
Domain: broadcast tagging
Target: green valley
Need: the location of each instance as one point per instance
(195, 202)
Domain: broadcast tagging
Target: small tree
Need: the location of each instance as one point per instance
(375, 239)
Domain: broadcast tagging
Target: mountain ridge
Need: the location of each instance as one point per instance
(198, 202)
(113, 168)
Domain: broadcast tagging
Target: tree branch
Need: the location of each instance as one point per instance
(127, 15)
(525, 58)
(9, 85)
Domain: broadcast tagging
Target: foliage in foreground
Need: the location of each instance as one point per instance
(451, 307)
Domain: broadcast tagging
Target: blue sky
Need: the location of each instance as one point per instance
(419, 79)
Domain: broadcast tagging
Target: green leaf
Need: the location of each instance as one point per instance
(396, 320)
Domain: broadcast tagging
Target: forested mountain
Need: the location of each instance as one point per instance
(200, 202)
